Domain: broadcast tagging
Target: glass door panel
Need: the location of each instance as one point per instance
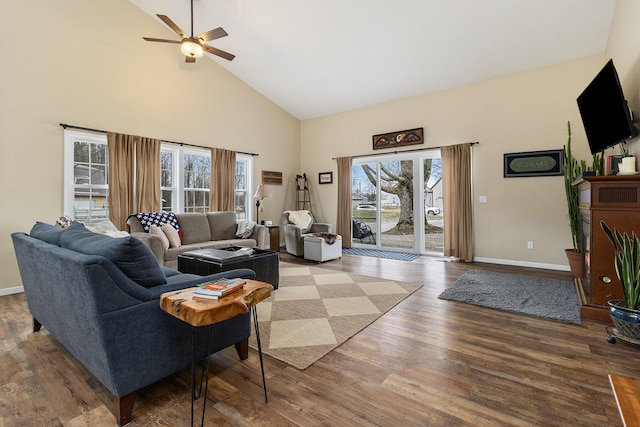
(433, 206)
(396, 203)
(364, 203)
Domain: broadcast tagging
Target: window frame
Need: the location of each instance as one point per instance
(177, 204)
(69, 191)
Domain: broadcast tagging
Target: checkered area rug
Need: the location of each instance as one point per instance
(314, 310)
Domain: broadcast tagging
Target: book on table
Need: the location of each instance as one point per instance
(219, 288)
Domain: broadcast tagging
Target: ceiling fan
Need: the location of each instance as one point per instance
(192, 47)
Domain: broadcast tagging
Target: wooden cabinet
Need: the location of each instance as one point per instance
(274, 237)
(616, 201)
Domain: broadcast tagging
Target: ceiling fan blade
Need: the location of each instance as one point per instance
(151, 39)
(218, 52)
(212, 35)
(172, 25)
(189, 59)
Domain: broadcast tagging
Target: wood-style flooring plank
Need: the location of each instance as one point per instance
(425, 362)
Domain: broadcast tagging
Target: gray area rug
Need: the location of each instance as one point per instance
(403, 256)
(551, 299)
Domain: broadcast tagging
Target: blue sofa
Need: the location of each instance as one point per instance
(99, 297)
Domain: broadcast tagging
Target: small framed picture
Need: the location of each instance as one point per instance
(325, 178)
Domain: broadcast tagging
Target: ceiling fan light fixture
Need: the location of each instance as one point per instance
(190, 47)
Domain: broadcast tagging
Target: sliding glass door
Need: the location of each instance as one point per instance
(388, 212)
(433, 203)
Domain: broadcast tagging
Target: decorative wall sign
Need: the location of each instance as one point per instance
(271, 178)
(398, 139)
(533, 163)
(325, 177)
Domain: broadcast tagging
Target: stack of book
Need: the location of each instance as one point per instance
(219, 288)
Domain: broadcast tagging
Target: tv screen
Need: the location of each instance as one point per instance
(604, 111)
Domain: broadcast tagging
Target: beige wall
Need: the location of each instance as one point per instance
(521, 112)
(85, 63)
(624, 48)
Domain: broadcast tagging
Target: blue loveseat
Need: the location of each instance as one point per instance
(99, 297)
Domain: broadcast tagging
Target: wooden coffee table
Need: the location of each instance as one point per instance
(200, 312)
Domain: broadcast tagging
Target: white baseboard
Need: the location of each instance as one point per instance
(523, 264)
(10, 291)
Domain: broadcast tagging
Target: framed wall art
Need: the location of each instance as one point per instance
(398, 139)
(533, 163)
(325, 178)
(272, 178)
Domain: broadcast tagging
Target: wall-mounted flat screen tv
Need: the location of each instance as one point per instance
(604, 111)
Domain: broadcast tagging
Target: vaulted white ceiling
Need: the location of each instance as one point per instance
(319, 57)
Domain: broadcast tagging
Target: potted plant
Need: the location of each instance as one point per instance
(572, 171)
(625, 314)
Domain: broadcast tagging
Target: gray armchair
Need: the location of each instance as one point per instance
(296, 224)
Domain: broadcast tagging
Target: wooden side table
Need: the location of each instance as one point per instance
(199, 312)
(274, 234)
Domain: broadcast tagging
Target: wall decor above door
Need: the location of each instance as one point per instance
(398, 139)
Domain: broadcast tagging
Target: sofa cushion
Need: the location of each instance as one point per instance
(47, 233)
(223, 225)
(129, 254)
(195, 228)
(245, 229)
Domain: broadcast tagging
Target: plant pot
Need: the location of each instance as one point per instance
(626, 320)
(575, 262)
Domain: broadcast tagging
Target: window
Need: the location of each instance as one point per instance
(86, 188)
(186, 171)
(243, 187)
(196, 179)
(184, 178)
(168, 188)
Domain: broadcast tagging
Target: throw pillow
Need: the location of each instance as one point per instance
(101, 227)
(245, 229)
(172, 235)
(47, 233)
(129, 254)
(157, 231)
(116, 233)
(301, 219)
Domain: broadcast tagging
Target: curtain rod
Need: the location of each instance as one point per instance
(400, 152)
(64, 126)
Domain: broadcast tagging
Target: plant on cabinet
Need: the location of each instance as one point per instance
(625, 314)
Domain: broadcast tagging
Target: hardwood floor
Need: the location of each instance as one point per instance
(427, 362)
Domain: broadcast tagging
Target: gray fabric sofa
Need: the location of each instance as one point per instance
(99, 297)
(211, 230)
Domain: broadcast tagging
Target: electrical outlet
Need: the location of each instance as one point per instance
(529, 245)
